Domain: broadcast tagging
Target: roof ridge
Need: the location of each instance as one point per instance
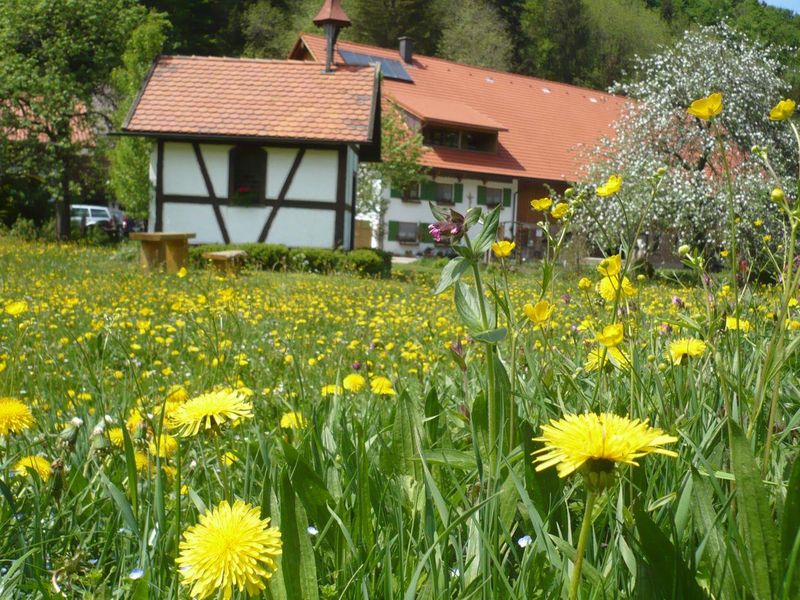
(466, 66)
(243, 59)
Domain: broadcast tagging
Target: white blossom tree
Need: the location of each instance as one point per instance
(656, 131)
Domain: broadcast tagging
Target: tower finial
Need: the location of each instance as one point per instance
(332, 18)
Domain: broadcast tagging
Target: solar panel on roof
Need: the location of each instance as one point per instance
(393, 69)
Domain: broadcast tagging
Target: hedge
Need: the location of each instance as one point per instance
(277, 257)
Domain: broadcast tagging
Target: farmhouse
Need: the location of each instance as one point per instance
(493, 137)
(258, 150)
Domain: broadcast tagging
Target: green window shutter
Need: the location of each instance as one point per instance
(458, 192)
(394, 228)
(424, 234)
(482, 195)
(428, 191)
(396, 192)
(507, 197)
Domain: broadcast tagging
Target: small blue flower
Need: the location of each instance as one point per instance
(524, 541)
(136, 574)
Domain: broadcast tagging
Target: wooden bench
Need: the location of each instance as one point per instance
(160, 250)
(226, 261)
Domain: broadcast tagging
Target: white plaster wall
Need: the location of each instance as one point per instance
(279, 162)
(303, 227)
(245, 223)
(316, 177)
(182, 176)
(421, 213)
(194, 218)
(216, 158)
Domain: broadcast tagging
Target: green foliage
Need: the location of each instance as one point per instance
(475, 34)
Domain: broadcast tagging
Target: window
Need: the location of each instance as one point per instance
(440, 136)
(99, 213)
(494, 196)
(413, 193)
(248, 175)
(407, 233)
(480, 141)
(444, 193)
(78, 213)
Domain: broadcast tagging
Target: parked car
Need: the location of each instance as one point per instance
(87, 215)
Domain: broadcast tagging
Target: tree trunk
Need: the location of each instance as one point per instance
(62, 206)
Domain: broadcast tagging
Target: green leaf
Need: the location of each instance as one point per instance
(492, 336)
(122, 504)
(758, 528)
(451, 273)
(488, 234)
(661, 572)
(790, 533)
(298, 564)
(309, 486)
(141, 587)
(456, 459)
(8, 583)
(130, 463)
(405, 435)
(468, 307)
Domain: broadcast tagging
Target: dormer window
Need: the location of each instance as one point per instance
(464, 139)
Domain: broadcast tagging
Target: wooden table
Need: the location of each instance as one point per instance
(163, 249)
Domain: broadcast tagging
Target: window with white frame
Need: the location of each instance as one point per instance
(444, 193)
(407, 233)
(494, 196)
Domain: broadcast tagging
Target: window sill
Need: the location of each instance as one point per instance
(408, 243)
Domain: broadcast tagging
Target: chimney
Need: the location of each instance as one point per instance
(332, 18)
(407, 49)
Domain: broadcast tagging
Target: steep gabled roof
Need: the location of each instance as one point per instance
(259, 99)
(541, 124)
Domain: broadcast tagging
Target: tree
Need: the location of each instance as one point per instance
(129, 158)
(476, 35)
(382, 22)
(400, 167)
(657, 132)
(56, 60)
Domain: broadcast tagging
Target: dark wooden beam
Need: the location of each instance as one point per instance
(269, 202)
(282, 195)
(159, 224)
(210, 190)
(341, 192)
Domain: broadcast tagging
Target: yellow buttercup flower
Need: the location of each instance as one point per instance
(354, 382)
(584, 283)
(611, 335)
(596, 443)
(610, 266)
(782, 110)
(17, 308)
(293, 420)
(503, 248)
(381, 386)
(560, 210)
(539, 313)
(209, 411)
(600, 356)
(610, 288)
(34, 463)
(182, 272)
(541, 204)
(15, 417)
(732, 324)
(231, 547)
(706, 108)
(612, 185)
(686, 347)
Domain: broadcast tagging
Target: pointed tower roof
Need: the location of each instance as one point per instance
(332, 12)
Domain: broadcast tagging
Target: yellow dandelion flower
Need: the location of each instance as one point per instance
(595, 443)
(354, 382)
(686, 347)
(209, 411)
(15, 417)
(177, 393)
(181, 272)
(167, 446)
(141, 460)
(782, 110)
(539, 313)
(33, 463)
(732, 324)
(17, 308)
(541, 204)
(503, 248)
(611, 335)
(230, 548)
(610, 187)
(706, 108)
(381, 386)
(116, 437)
(293, 420)
(610, 266)
(331, 389)
(135, 419)
(610, 288)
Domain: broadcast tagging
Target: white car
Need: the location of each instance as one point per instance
(87, 215)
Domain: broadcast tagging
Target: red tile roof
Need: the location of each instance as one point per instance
(267, 99)
(448, 112)
(546, 122)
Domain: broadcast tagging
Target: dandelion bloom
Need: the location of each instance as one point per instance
(539, 313)
(15, 417)
(610, 265)
(210, 410)
(182, 272)
(293, 420)
(177, 393)
(782, 110)
(611, 335)
(34, 463)
(381, 386)
(686, 347)
(231, 547)
(116, 437)
(503, 248)
(732, 324)
(17, 308)
(541, 204)
(612, 185)
(597, 442)
(611, 287)
(600, 356)
(141, 461)
(354, 382)
(706, 108)
(331, 389)
(167, 445)
(560, 210)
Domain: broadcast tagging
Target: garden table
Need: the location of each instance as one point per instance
(163, 249)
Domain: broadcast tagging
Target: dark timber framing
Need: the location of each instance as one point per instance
(282, 195)
(210, 190)
(159, 225)
(341, 201)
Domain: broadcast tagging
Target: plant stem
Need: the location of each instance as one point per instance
(222, 468)
(584, 536)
